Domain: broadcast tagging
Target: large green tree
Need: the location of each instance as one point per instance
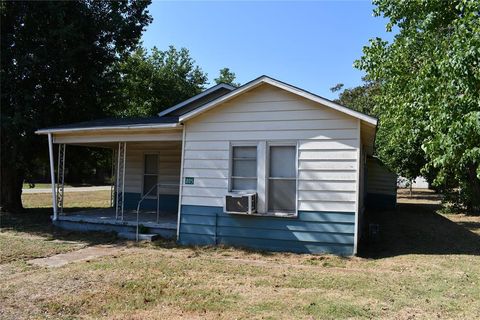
(227, 76)
(359, 98)
(57, 66)
(430, 91)
(153, 82)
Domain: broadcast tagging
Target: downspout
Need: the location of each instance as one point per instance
(358, 195)
(216, 228)
(52, 176)
(181, 182)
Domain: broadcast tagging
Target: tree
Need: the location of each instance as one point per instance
(430, 88)
(359, 98)
(57, 67)
(153, 82)
(227, 76)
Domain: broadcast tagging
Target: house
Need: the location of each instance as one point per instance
(304, 156)
(381, 187)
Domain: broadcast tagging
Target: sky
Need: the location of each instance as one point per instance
(311, 45)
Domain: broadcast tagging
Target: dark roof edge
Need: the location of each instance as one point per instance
(114, 124)
(196, 97)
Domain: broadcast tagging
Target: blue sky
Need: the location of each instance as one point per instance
(311, 45)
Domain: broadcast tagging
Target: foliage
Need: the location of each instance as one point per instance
(430, 92)
(57, 67)
(227, 76)
(153, 82)
(360, 98)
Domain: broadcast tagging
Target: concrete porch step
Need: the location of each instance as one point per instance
(141, 236)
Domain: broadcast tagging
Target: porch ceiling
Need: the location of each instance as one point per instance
(109, 138)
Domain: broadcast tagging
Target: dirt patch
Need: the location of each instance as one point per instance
(84, 254)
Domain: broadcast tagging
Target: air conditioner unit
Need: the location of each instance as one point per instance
(241, 202)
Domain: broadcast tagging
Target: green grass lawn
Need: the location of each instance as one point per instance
(40, 186)
(424, 266)
(72, 200)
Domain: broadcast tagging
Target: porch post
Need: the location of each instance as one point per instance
(123, 174)
(117, 182)
(120, 190)
(52, 176)
(61, 176)
(114, 176)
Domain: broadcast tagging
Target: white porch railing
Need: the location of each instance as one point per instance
(158, 186)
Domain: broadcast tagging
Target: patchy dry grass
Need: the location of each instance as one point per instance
(72, 200)
(15, 246)
(411, 278)
(30, 234)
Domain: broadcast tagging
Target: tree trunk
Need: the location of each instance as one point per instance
(11, 189)
(475, 187)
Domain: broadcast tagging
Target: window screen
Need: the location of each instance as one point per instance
(244, 168)
(282, 181)
(150, 174)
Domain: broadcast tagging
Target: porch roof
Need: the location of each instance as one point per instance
(114, 124)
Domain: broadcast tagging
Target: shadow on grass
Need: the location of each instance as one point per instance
(419, 196)
(416, 228)
(37, 222)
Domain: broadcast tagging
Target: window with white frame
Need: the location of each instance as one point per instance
(282, 178)
(243, 168)
(150, 174)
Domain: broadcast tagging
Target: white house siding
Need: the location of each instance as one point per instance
(327, 148)
(381, 185)
(327, 142)
(380, 179)
(169, 157)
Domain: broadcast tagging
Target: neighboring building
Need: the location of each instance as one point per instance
(418, 183)
(302, 155)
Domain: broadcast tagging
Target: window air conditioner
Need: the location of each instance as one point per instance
(241, 202)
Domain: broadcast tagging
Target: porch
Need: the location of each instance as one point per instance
(104, 220)
(146, 160)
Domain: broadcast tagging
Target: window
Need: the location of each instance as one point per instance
(282, 179)
(150, 174)
(244, 168)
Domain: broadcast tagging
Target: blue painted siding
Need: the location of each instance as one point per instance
(310, 232)
(168, 203)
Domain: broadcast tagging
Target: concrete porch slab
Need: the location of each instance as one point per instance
(103, 220)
